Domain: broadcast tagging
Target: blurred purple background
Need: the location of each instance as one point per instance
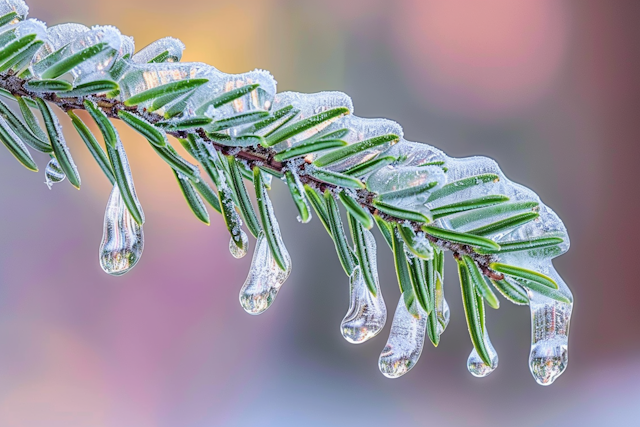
(550, 89)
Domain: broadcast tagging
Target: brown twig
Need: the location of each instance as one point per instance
(253, 156)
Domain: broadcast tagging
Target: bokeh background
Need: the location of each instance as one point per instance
(550, 89)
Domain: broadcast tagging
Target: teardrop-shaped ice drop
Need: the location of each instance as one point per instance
(367, 313)
(443, 315)
(550, 335)
(441, 306)
(264, 280)
(239, 251)
(122, 237)
(405, 341)
(53, 174)
(476, 365)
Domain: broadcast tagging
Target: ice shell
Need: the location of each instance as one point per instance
(18, 6)
(173, 47)
(122, 238)
(550, 321)
(367, 313)
(264, 280)
(239, 251)
(476, 365)
(53, 173)
(405, 342)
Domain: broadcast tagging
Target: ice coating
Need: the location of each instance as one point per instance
(173, 48)
(239, 251)
(62, 34)
(367, 313)
(476, 365)
(304, 200)
(405, 342)
(18, 6)
(550, 321)
(5, 126)
(264, 280)
(260, 99)
(122, 237)
(308, 105)
(53, 174)
(127, 171)
(140, 77)
(32, 26)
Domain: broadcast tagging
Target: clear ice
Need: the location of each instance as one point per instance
(405, 342)
(413, 164)
(549, 355)
(476, 365)
(239, 251)
(18, 6)
(367, 313)
(53, 173)
(441, 307)
(264, 280)
(122, 237)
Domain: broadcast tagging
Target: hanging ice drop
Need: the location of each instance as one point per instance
(53, 173)
(122, 237)
(264, 280)
(441, 307)
(549, 338)
(237, 251)
(367, 313)
(405, 342)
(476, 365)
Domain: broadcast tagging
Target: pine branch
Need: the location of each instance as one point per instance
(253, 156)
(239, 130)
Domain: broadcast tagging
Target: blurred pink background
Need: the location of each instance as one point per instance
(550, 89)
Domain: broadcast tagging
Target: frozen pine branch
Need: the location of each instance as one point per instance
(240, 134)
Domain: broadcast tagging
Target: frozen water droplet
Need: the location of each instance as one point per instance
(548, 360)
(443, 315)
(405, 342)
(53, 173)
(237, 251)
(550, 335)
(441, 306)
(367, 313)
(476, 365)
(122, 237)
(264, 280)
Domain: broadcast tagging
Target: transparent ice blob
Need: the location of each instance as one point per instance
(367, 313)
(264, 280)
(405, 342)
(476, 365)
(53, 174)
(122, 237)
(549, 354)
(239, 251)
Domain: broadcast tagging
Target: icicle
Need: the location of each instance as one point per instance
(405, 342)
(122, 238)
(264, 280)
(367, 313)
(476, 365)
(549, 338)
(236, 251)
(442, 307)
(53, 174)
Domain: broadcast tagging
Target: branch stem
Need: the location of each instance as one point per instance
(252, 156)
